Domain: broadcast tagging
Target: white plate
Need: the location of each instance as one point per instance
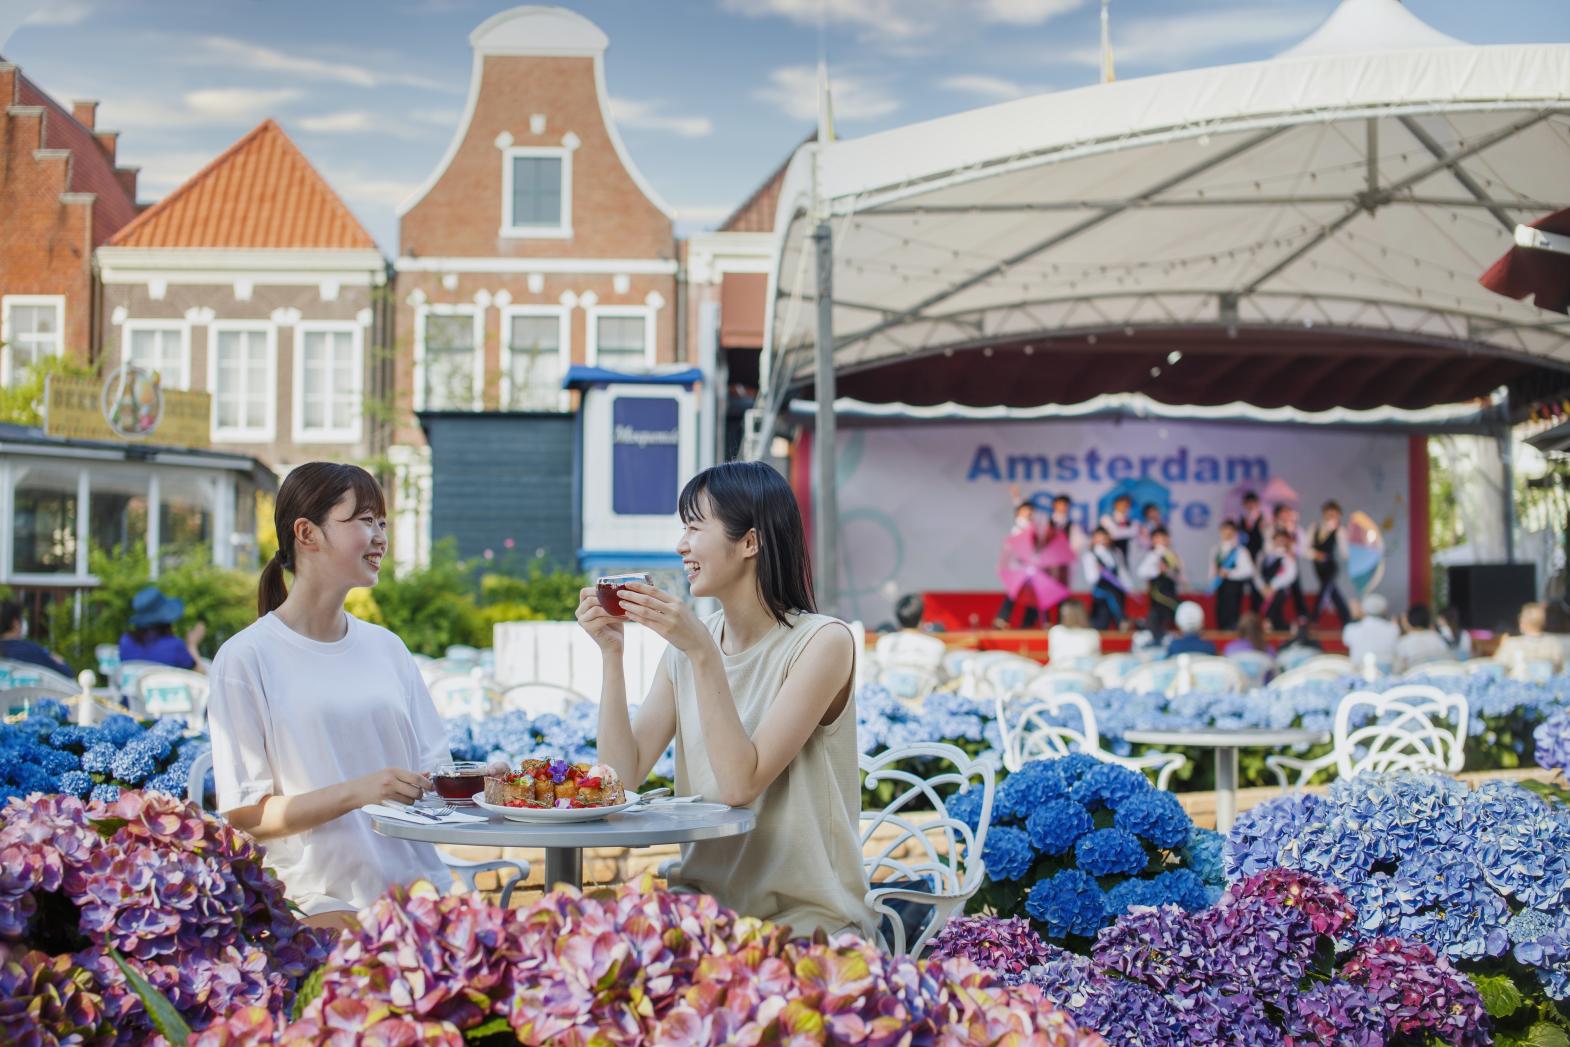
(553, 815)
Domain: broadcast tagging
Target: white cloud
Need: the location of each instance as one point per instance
(361, 189)
(995, 87)
(893, 18)
(704, 214)
(241, 54)
(349, 121)
(222, 104)
(793, 90)
(1175, 41)
(439, 117)
(1026, 12)
(648, 116)
(59, 13)
(163, 170)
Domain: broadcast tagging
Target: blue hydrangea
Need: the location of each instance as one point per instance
(1068, 903)
(1156, 816)
(68, 737)
(134, 764)
(1528, 925)
(966, 807)
(98, 759)
(48, 709)
(166, 783)
(1111, 852)
(1203, 854)
(1108, 785)
(1133, 892)
(1552, 740)
(75, 783)
(1057, 825)
(104, 793)
(118, 728)
(1007, 853)
(1184, 888)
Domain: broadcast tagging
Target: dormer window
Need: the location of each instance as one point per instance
(537, 192)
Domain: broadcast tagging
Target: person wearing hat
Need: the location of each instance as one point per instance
(1372, 634)
(149, 635)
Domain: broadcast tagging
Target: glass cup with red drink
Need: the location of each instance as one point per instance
(608, 591)
(457, 781)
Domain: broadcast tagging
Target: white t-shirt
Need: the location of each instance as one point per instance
(1419, 646)
(1371, 635)
(289, 715)
(1070, 648)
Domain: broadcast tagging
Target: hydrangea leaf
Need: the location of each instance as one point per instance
(310, 989)
(494, 1027)
(165, 1018)
(1500, 996)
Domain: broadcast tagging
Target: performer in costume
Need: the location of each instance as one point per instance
(1107, 575)
(1121, 526)
(1277, 575)
(1251, 531)
(1231, 568)
(1018, 562)
(1162, 572)
(1150, 522)
(1061, 522)
(1328, 547)
(1286, 519)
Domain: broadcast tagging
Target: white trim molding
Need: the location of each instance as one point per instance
(563, 315)
(268, 431)
(7, 302)
(592, 328)
(173, 323)
(507, 266)
(328, 435)
(276, 266)
(562, 230)
(449, 309)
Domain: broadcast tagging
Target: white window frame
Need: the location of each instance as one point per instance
(267, 432)
(171, 324)
(561, 231)
(6, 304)
(563, 317)
(449, 309)
(648, 314)
(352, 433)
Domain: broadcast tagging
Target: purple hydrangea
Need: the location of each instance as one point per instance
(1552, 739)
(1419, 992)
(1006, 947)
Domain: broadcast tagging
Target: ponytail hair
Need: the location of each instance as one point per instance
(309, 492)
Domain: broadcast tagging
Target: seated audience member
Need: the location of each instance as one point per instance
(909, 610)
(15, 646)
(1420, 642)
(1372, 634)
(149, 636)
(1250, 636)
(1533, 644)
(1190, 622)
(1072, 643)
(1449, 626)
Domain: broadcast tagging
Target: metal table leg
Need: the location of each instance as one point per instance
(563, 865)
(1226, 787)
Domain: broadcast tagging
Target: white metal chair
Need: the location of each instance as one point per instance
(463, 695)
(908, 683)
(1008, 673)
(1483, 667)
(1442, 669)
(1032, 730)
(27, 674)
(1207, 672)
(172, 692)
(1410, 727)
(464, 868)
(909, 647)
(462, 653)
(947, 854)
(957, 662)
(1319, 667)
(1153, 677)
(1112, 669)
(1063, 681)
(539, 699)
(1293, 655)
(16, 701)
(1256, 666)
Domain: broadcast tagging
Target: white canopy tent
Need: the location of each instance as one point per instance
(1301, 232)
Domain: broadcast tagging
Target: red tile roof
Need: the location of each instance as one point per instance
(260, 192)
(91, 169)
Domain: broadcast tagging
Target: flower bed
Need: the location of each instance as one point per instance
(180, 895)
(1075, 842)
(1261, 967)
(1481, 876)
(45, 753)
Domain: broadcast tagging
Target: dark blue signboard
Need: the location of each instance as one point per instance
(645, 440)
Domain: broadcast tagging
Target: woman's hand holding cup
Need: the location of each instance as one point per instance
(606, 630)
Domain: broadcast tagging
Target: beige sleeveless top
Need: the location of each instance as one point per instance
(801, 865)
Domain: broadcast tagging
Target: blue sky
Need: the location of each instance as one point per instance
(711, 94)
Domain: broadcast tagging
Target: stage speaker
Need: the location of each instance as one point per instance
(1489, 595)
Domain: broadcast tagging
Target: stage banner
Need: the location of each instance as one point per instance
(927, 507)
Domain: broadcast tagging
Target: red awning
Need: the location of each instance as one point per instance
(1534, 267)
(742, 310)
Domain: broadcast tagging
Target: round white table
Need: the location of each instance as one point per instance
(1226, 744)
(564, 844)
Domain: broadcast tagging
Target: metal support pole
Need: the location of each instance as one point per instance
(825, 489)
(1503, 440)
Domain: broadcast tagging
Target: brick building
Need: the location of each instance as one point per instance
(61, 195)
(252, 281)
(534, 245)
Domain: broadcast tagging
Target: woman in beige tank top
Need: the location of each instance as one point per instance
(758, 700)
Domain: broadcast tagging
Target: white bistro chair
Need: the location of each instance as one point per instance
(180, 693)
(539, 699)
(1410, 727)
(1032, 730)
(926, 846)
(1320, 667)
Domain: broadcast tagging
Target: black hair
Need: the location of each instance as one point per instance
(751, 496)
(1329, 505)
(309, 492)
(1227, 521)
(1160, 532)
(1101, 530)
(146, 634)
(909, 610)
(10, 614)
(1062, 498)
(1417, 616)
(1279, 508)
(1144, 510)
(1024, 505)
(1250, 496)
(1281, 532)
(1124, 497)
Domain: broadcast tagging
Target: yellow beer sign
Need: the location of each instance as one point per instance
(129, 406)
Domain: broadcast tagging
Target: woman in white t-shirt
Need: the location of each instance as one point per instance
(1072, 643)
(315, 714)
